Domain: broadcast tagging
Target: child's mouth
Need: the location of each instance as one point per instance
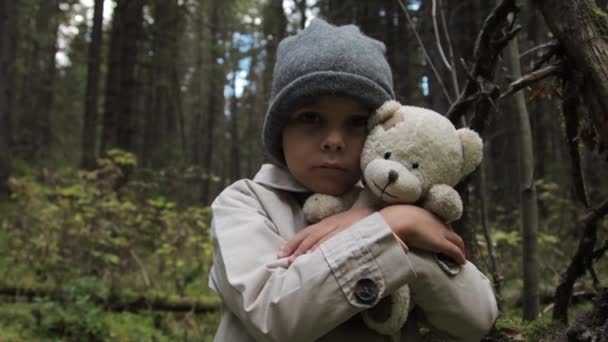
(332, 166)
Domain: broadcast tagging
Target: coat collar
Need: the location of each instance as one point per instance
(279, 178)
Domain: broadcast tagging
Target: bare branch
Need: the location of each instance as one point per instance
(570, 105)
(601, 251)
(596, 214)
(550, 44)
(437, 38)
(489, 45)
(580, 261)
(142, 268)
(450, 51)
(426, 55)
(530, 78)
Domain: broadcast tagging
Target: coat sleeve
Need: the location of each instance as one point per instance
(462, 307)
(350, 272)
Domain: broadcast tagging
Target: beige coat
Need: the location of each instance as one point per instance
(319, 295)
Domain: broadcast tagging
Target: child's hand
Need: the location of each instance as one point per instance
(419, 228)
(312, 236)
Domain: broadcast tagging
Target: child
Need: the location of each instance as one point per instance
(326, 82)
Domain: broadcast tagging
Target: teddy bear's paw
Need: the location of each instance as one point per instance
(320, 206)
(444, 201)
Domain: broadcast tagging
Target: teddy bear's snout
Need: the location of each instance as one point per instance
(392, 177)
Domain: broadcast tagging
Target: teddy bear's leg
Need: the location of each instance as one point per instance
(389, 315)
(320, 206)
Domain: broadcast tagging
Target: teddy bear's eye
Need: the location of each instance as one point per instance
(415, 166)
(387, 155)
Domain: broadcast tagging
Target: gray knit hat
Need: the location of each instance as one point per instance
(324, 60)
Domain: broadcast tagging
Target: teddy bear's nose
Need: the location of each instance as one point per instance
(392, 176)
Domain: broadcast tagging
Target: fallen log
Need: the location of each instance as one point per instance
(117, 302)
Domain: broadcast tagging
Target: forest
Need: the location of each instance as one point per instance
(121, 120)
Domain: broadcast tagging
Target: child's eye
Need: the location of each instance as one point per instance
(358, 121)
(415, 165)
(309, 117)
(387, 155)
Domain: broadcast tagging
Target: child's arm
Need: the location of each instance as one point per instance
(415, 226)
(462, 306)
(320, 290)
(309, 238)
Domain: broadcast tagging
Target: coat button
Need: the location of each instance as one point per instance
(366, 291)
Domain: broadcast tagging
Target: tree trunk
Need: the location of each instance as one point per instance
(582, 30)
(164, 119)
(255, 106)
(582, 258)
(235, 142)
(121, 86)
(211, 101)
(8, 46)
(89, 129)
(302, 9)
(196, 132)
(528, 207)
(275, 26)
(38, 96)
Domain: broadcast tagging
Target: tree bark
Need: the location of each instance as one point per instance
(8, 46)
(582, 30)
(529, 207)
(89, 129)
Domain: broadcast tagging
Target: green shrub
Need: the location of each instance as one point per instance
(67, 225)
(76, 316)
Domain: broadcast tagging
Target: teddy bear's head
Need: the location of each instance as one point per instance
(409, 149)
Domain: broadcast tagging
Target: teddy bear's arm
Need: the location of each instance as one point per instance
(319, 206)
(443, 201)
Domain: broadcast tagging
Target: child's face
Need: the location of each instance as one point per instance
(322, 143)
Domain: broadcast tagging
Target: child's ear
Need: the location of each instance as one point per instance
(383, 114)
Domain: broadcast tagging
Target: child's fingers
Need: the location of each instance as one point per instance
(455, 239)
(323, 239)
(290, 246)
(453, 251)
(305, 246)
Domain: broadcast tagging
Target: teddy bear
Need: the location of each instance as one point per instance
(411, 155)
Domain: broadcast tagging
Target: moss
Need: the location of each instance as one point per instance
(530, 331)
(600, 19)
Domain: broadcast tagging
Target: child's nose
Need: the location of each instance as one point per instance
(334, 141)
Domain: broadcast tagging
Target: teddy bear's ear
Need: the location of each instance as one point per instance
(472, 149)
(383, 114)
